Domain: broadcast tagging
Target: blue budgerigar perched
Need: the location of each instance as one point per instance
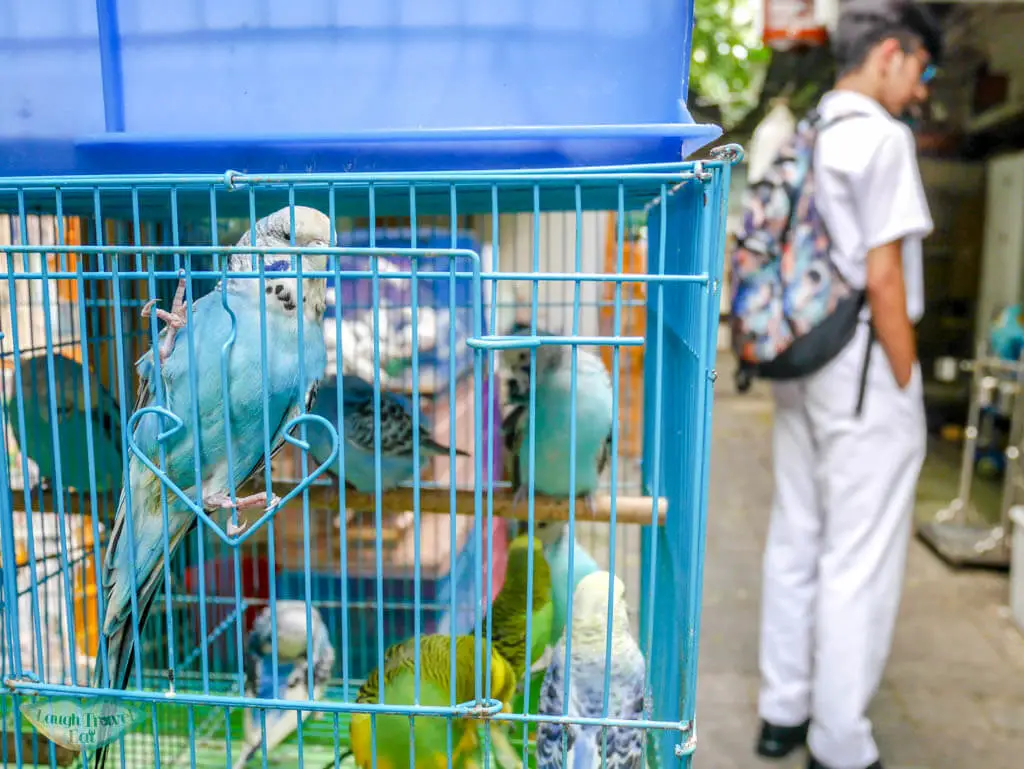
(587, 663)
(554, 407)
(396, 435)
(289, 390)
(293, 642)
(73, 417)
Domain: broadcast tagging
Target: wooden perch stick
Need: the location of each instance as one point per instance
(630, 510)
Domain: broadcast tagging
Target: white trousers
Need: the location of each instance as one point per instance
(837, 542)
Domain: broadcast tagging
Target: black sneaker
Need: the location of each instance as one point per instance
(780, 741)
(813, 763)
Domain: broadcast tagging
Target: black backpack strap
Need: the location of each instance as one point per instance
(863, 385)
(820, 124)
(864, 370)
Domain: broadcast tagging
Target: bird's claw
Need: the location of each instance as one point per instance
(173, 319)
(233, 530)
(590, 505)
(254, 500)
(223, 501)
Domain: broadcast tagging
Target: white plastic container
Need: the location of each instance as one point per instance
(1017, 566)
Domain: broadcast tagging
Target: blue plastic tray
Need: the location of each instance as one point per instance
(296, 85)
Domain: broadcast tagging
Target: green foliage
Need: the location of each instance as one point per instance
(729, 61)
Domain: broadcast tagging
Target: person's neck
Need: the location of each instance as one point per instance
(859, 83)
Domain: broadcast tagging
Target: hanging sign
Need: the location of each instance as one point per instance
(77, 724)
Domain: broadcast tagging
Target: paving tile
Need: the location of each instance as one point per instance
(942, 710)
(953, 643)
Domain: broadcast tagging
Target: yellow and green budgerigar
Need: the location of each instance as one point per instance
(508, 612)
(391, 736)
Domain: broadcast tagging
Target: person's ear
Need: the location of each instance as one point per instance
(887, 52)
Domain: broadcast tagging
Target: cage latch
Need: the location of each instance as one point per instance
(482, 710)
(27, 677)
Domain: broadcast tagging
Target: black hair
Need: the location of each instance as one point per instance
(859, 30)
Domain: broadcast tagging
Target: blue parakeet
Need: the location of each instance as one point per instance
(553, 451)
(587, 664)
(553, 409)
(73, 414)
(286, 395)
(396, 440)
(555, 536)
(292, 669)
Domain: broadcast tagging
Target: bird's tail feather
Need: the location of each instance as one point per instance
(584, 751)
(101, 757)
(121, 656)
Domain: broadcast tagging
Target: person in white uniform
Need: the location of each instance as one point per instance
(844, 483)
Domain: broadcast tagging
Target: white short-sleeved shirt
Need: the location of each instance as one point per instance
(868, 190)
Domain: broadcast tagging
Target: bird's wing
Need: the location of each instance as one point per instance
(396, 657)
(149, 577)
(144, 368)
(604, 455)
(396, 435)
(396, 426)
(549, 735)
(277, 436)
(626, 745)
(323, 652)
(259, 636)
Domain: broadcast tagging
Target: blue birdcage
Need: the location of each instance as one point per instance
(491, 188)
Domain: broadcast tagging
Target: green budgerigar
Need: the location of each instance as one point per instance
(508, 612)
(391, 735)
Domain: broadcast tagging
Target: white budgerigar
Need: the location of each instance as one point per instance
(623, 746)
(293, 644)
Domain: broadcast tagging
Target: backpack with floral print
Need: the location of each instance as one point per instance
(792, 310)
